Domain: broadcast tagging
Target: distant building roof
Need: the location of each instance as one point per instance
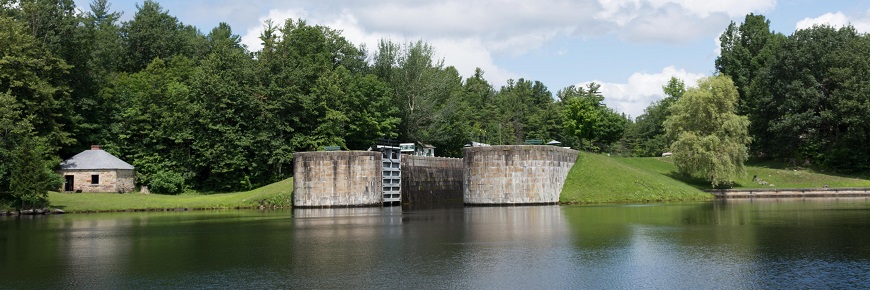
(92, 159)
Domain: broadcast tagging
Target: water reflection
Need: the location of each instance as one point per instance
(749, 243)
(92, 248)
(514, 247)
(729, 244)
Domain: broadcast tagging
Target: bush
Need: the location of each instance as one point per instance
(166, 182)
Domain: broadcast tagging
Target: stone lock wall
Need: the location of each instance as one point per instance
(428, 180)
(505, 175)
(337, 179)
(110, 180)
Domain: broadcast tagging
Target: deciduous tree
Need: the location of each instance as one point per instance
(649, 127)
(588, 119)
(813, 99)
(710, 139)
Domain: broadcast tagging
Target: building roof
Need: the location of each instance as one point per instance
(94, 159)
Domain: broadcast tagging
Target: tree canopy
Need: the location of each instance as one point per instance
(33, 117)
(194, 110)
(710, 139)
(588, 119)
(803, 93)
(200, 111)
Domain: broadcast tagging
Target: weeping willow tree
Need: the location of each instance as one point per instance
(710, 138)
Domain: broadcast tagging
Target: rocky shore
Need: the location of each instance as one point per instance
(38, 211)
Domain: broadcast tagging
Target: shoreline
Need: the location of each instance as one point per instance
(57, 211)
(718, 194)
(789, 192)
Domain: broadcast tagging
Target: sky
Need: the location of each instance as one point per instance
(630, 47)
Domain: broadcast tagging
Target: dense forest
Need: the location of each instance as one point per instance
(202, 111)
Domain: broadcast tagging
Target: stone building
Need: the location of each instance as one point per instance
(96, 170)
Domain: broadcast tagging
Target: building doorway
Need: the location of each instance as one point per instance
(68, 183)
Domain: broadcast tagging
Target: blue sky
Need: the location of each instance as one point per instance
(631, 47)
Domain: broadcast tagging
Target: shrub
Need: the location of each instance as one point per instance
(166, 182)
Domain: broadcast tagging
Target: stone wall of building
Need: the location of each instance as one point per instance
(109, 180)
(337, 179)
(428, 180)
(515, 174)
(126, 180)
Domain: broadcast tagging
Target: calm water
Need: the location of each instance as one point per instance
(747, 244)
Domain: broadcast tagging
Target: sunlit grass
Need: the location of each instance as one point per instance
(598, 178)
(603, 179)
(769, 174)
(274, 195)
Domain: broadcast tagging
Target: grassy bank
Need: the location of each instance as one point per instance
(274, 195)
(769, 174)
(778, 175)
(595, 178)
(602, 179)
(598, 178)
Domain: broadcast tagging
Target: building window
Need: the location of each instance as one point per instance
(95, 179)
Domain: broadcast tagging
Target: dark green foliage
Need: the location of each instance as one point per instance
(806, 94)
(166, 182)
(154, 129)
(223, 116)
(11, 127)
(419, 81)
(34, 77)
(812, 102)
(648, 131)
(31, 176)
(476, 105)
(201, 111)
(745, 49)
(153, 33)
(525, 112)
(166, 98)
(589, 120)
(99, 58)
(446, 127)
(32, 116)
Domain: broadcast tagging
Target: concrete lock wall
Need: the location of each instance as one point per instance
(515, 174)
(428, 180)
(337, 179)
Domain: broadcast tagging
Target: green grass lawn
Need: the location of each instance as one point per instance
(780, 176)
(594, 178)
(277, 194)
(776, 175)
(598, 178)
(602, 179)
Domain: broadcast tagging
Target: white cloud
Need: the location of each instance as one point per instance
(672, 24)
(466, 53)
(838, 19)
(470, 34)
(623, 10)
(641, 89)
(669, 21)
(732, 8)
